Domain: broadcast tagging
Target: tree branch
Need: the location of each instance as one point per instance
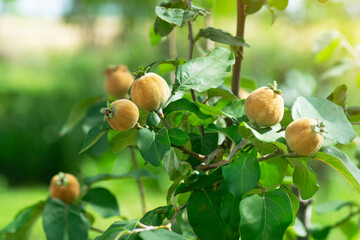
(138, 180)
(236, 80)
(163, 119)
(355, 123)
(191, 153)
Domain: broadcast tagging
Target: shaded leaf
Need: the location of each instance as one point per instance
(304, 178)
(78, 112)
(252, 6)
(178, 16)
(116, 228)
(341, 163)
(120, 140)
(93, 136)
(221, 91)
(339, 96)
(162, 28)
(161, 234)
(102, 201)
(272, 171)
(137, 173)
(178, 137)
(63, 221)
(21, 226)
(156, 216)
(221, 36)
(231, 132)
(184, 105)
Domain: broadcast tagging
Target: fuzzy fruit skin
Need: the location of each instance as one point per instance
(125, 115)
(264, 107)
(68, 193)
(150, 92)
(301, 137)
(118, 81)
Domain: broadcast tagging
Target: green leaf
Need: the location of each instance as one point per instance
(339, 96)
(221, 91)
(265, 216)
(21, 226)
(116, 228)
(279, 4)
(78, 112)
(173, 164)
(243, 174)
(268, 134)
(272, 171)
(155, 39)
(173, 61)
(221, 36)
(137, 174)
(326, 45)
(120, 140)
(199, 180)
(178, 137)
(162, 27)
(156, 216)
(231, 132)
(236, 109)
(350, 230)
(184, 105)
(204, 211)
(178, 16)
(319, 232)
(336, 124)
(252, 6)
(92, 137)
(229, 210)
(204, 3)
(341, 163)
(161, 234)
(153, 146)
(304, 178)
(62, 221)
(102, 201)
(332, 206)
(210, 110)
(295, 204)
(152, 119)
(196, 73)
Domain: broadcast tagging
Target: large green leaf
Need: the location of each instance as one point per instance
(178, 16)
(339, 96)
(137, 173)
(153, 146)
(156, 216)
(336, 124)
(161, 234)
(221, 91)
(265, 216)
(119, 140)
(304, 178)
(62, 221)
(203, 73)
(221, 36)
(178, 137)
(162, 28)
(231, 132)
(116, 229)
(229, 210)
(243, 174)
(21, 226)
(78, 112)
(236, 109)
(204, 215)
(295, 204)
(102, 201)
(341, 163)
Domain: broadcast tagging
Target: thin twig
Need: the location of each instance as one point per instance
(212, 166)
(346, 218)
(177, 211)
(191, 153)
(138, 180)
(240, 146)
(163, 119)
(236, 80)
(274, 154)
(355, 123)
(96, 229)
(219, 150)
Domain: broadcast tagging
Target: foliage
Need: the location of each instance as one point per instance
(230, 179)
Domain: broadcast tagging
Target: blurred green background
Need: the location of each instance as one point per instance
(53, 53)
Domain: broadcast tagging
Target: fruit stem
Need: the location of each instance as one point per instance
(163, 119)
(274, 88)
(236, 77)
(140, 72)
